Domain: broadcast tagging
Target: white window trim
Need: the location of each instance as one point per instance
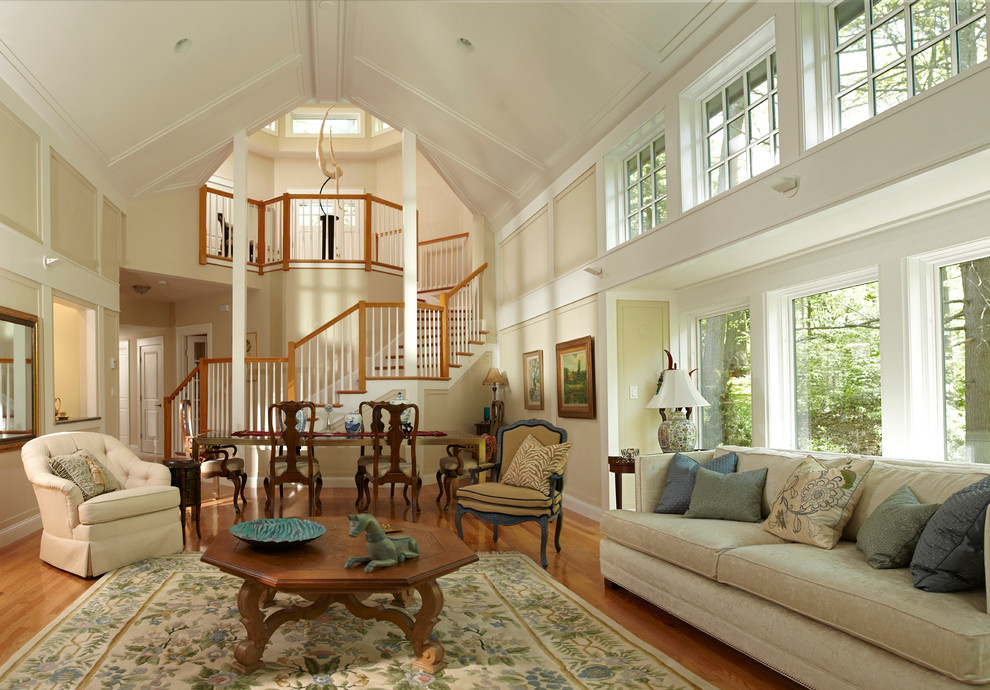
(740, 58)
(925, 346)
(815, 53)
(614, 168)
(379, 126)
(778, 356)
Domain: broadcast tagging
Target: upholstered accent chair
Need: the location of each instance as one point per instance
(110, 530)
(498, 503)
(215, 461)
(290, 430)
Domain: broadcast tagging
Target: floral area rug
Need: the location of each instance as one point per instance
(172, 622)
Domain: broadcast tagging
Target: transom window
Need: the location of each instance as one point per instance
(308, 123)
(740, 125)
(885, 51)
(646, 187)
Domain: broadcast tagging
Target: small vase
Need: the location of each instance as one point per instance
(352, 422)
(406, 416)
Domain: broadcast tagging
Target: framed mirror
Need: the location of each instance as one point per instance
(18, 378)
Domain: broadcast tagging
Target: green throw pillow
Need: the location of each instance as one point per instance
(892, 530)
(733, 496)
(85, 471)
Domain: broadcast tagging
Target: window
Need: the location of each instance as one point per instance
(724, 379)
(885, 51)
(271, 128)
(966, 359)
(646, 188)
(307, 123)
(740, 127)
(379, 127)
(837, 370)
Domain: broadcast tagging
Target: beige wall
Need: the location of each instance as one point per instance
(73, 209)
(523, 263)
(111, 237)
(68, 331)
(513, 342)
(20, 175)
(111, 374)
(575, 224)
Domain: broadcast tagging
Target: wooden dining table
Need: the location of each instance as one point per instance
(336, 439)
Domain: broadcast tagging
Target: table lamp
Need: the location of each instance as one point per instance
(494, 378)
(677, 434)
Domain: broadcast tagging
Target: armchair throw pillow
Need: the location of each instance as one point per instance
(533, 470)
(817, 501)
(529, 442)
(891, 532)
(949, 555)
(85, 471)
(676, 496)
(733, 496)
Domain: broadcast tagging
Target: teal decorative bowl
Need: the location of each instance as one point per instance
(277, 533)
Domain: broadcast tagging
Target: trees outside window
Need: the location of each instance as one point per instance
(646, 188)
(885, 51)
(966, 352)
(837, 370)
(724, 376)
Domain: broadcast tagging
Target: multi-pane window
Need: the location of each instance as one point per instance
(837, 370)
(966, 357)
(305, 123)
(724, 379)
(740, 123)
(646, 188)
(885, 51)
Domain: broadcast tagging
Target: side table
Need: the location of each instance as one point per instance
(185, 477)
(619, 466)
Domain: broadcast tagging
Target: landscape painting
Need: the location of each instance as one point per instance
(576, 378)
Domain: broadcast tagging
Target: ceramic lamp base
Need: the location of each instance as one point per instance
(678, 434)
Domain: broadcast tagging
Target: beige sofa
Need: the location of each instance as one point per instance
(141, 520)
(823, 617)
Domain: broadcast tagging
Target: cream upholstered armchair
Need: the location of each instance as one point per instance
(90, 537)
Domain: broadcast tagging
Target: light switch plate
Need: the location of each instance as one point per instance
(633, 392)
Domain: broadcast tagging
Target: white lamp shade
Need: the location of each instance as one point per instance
(677, 391)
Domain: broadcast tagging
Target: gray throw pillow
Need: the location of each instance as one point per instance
(85, 471)
(676, 496)
(891, 532)
(727, 496)
(949, 555)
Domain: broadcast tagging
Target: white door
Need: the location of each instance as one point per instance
(124, 384)
(151, 384)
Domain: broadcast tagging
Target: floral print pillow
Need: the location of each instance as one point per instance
(817, 501)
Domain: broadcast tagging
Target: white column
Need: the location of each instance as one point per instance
(410, 294)
(238, 299)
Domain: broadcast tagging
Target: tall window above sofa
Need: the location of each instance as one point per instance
(837, 370)
(885, 51)
(724, 379)
(966, 356)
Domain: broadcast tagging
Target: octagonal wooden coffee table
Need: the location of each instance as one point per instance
(316, 572)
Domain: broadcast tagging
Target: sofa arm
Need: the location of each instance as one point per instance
(651, 475)
(58, 502)
(147, 474)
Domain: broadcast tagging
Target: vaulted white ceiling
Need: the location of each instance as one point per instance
(544, 82)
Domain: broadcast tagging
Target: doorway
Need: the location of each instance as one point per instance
(151, 392)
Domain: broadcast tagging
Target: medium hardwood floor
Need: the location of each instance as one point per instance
(32, 593)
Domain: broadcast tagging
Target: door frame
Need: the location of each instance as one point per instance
(181, 333)
(158, 340)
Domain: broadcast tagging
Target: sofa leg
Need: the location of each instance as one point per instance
(611, 585)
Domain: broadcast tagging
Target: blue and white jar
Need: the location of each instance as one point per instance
(352, 422)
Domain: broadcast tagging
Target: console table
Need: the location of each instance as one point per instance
(185, 477)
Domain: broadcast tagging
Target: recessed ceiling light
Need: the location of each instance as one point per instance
(182, 45)
(465, 44)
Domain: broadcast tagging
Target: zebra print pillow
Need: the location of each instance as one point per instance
(533, 469)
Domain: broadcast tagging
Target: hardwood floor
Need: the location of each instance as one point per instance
(32, 593)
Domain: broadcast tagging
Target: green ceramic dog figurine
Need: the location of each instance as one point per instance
(382, 549)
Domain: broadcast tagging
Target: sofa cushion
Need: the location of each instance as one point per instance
(128, 503)
(889, 535)
(948, 633)
(689, 543)
(676, 496)
(949, 555)
(83, 469)
(533, 469)
(817, 500)
(734, 496)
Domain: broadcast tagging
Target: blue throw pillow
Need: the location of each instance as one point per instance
(949, 555)
(676, 496)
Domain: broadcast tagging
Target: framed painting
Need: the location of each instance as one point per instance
(533, 373)
(576, 378)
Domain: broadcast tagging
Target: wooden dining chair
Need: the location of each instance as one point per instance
(388, 466)
(291, 439)
(215, 461)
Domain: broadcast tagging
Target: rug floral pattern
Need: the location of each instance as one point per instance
(173, 622)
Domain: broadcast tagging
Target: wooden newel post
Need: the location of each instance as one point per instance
(444, 336)
(204, 396)
(362, 345)
(292, 370)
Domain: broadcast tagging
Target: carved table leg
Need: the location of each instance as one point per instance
(429, 653)
(249, 602)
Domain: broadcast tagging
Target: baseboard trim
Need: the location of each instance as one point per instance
(581, 508)
(20, 530)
